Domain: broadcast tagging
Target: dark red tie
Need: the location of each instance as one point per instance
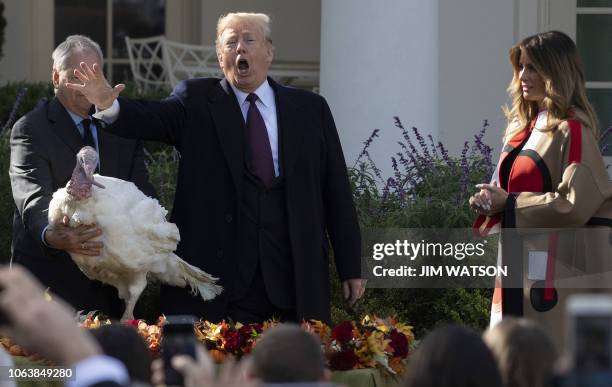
(262, 165)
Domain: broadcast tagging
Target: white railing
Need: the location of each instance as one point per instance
(184, 61)
(157, 62)
(146, 62)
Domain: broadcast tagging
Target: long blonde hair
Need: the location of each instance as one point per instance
(555, 58)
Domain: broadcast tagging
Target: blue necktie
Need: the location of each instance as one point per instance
(88, 139)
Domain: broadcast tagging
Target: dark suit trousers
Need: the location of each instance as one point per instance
(256, 306)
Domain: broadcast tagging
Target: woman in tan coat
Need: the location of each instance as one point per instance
(551, 174)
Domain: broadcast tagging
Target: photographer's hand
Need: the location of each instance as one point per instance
(201, 372)
(46, 327)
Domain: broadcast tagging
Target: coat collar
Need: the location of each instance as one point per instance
(64, 127)
(291, 126)
(230, 128)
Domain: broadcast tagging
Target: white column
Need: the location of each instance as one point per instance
(379, 59)
(28, 41)
(474, 39)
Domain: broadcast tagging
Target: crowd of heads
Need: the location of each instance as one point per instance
(515, 353)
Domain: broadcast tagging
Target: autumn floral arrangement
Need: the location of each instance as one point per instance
(150, 333)
(371, 343)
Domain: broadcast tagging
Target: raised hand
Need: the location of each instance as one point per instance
(95, 87)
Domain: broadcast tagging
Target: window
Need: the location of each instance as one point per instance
(593, 38)
(108, 22)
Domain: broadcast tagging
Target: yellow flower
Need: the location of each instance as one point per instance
(377, 343)
(317, 327)
(406, 330)
(365, 356)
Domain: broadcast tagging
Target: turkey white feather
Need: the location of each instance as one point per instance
(139, 242)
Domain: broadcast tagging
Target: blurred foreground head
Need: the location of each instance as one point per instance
(452, 356)
(288, 354)
(524, 352)
(125, 344)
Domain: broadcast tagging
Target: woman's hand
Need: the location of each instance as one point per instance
(480, 202)
(490, 200)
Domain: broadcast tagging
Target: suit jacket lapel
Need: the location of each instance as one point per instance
(63, 126)
(290, 127)
(230, 128)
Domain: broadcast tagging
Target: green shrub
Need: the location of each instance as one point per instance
(428, 189)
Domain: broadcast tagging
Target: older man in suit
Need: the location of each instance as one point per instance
(44, 144)
(262, 181)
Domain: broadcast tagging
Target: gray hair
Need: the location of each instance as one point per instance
(72, 45)
(260, 19)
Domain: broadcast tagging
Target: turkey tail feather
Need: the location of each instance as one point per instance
(198, 280)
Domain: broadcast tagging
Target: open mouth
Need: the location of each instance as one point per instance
(243, 67)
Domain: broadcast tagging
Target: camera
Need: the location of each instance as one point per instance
(589, 331)
(178, 339)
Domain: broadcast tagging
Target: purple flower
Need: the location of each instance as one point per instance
(465, 178)
(418, 172)
(366, 145)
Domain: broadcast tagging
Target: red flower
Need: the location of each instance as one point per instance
(232, 341)
(247, 330)
(343, 332)
(345, 360)
(399, 343)
(133, 323)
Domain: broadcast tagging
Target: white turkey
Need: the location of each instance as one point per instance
(138, 241)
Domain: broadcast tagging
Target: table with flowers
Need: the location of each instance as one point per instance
(370, 352)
